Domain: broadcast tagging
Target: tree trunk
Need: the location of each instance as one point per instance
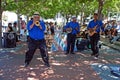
(100, 8)
(27, 18)
(67, 18)
(18, 16)
(1, 24)
(81, 20)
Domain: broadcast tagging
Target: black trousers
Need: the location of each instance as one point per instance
(94, 44)
(70, 42)
(33, 45)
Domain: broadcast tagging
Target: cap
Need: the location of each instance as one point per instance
(74, 17)
(95, 13)
(36, 13)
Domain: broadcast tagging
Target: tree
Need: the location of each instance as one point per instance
(0, 24)
(100, 8)
(49, 8)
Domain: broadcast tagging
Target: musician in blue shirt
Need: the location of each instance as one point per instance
(72, 28)
(36, 29)
(94, 27)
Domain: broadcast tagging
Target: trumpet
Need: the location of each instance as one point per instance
(37, 23)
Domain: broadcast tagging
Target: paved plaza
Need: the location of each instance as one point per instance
(79, 66)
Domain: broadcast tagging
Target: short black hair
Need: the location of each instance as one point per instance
(9, 23)
(15, 23)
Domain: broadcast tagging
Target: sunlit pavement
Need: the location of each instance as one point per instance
(79, 66)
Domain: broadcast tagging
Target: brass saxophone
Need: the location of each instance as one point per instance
(37, 23)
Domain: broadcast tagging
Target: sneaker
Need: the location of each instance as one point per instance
(26, 64)
(95, 57)
(47, 64)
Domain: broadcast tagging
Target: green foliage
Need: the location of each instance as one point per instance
(49, 8)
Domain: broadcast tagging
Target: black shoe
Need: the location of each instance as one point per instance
(47, 64)
(92, 54)
(96, 55)
(66, 53)
(72, 53)
(26, 64)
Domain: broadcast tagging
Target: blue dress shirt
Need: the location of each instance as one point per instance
(99, 24)
(73, 25)
(35, 32)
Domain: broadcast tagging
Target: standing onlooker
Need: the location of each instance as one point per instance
(9, 28)
(15, 29)
(52, 28)
(22, 27)
(10, 39)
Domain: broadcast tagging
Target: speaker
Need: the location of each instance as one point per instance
(9, 39)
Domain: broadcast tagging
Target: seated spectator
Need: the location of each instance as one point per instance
(108, 26)
(114, 35)
(9, 28)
